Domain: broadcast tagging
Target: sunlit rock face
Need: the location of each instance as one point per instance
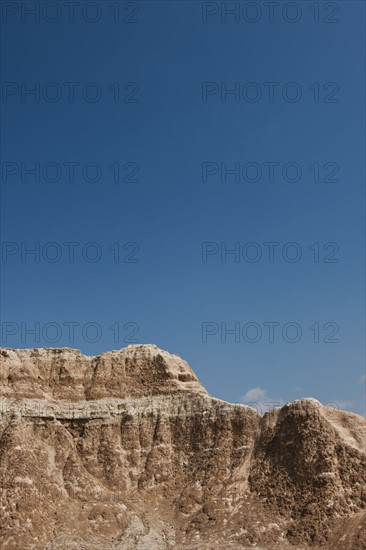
(127, 450)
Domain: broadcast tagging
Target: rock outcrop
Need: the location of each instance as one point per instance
(128, 451)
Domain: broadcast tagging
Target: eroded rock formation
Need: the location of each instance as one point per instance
(128, 451)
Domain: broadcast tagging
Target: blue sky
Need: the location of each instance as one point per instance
(131, 132)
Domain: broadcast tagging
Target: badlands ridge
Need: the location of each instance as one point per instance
(127, 450)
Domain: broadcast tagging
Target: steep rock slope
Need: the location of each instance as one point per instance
(128, 451)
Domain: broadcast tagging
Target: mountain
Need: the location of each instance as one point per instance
(127, 450)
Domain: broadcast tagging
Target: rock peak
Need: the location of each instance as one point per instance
(64, 373)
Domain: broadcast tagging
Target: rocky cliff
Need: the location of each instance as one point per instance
(128, 451)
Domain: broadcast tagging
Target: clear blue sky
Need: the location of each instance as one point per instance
(161, 73)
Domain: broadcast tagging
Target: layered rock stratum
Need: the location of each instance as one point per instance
(127, 450)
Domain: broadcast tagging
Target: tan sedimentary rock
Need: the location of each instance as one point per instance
(128, 451)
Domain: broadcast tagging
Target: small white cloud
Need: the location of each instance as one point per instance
(259, 399)
(362, 379)
(254, 394)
